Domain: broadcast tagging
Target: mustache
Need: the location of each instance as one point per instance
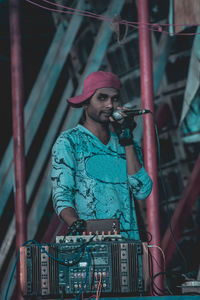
(110, 111)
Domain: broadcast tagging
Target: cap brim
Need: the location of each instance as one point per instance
(78, 101)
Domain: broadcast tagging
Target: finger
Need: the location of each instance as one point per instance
(111, 119)
(125, 108)
(116, 121)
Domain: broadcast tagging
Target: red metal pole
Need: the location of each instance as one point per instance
(18, 131)
(150, 152)
(182, 212)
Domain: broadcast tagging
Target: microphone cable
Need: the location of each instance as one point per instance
(165, 195)
(135, 112)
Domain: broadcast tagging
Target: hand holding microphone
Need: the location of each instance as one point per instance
(124, 123)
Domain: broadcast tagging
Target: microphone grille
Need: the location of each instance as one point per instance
(117, 115)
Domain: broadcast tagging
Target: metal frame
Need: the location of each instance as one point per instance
(182, 212)
(40, 97)
(149, 140)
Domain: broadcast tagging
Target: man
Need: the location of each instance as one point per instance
(97, 172)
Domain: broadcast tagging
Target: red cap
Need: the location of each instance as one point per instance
(93, 82)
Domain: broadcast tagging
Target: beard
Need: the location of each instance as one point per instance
(101, 117)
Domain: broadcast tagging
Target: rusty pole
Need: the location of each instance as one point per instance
(150, 152)
(18, 130)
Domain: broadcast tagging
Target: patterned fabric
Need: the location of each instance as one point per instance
(92, 178)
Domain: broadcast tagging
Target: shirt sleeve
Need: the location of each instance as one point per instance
(62, 175)
(140, 183)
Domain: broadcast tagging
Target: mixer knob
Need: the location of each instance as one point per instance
(61, 275)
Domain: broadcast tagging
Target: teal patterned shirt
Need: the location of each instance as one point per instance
(92, 178)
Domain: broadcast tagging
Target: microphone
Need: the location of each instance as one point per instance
(117, 114)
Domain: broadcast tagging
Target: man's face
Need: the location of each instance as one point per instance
(102, 104)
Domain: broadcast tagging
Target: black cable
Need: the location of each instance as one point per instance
(153, 284)
(165, 192)
(141, 230)
(82, 247)
(156, 275)
(151, 276)
(150, 268)
(84, 244)
(60, 261)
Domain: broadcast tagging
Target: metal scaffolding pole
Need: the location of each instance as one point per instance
(150, 153)
(18, 131)
(183, 211)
